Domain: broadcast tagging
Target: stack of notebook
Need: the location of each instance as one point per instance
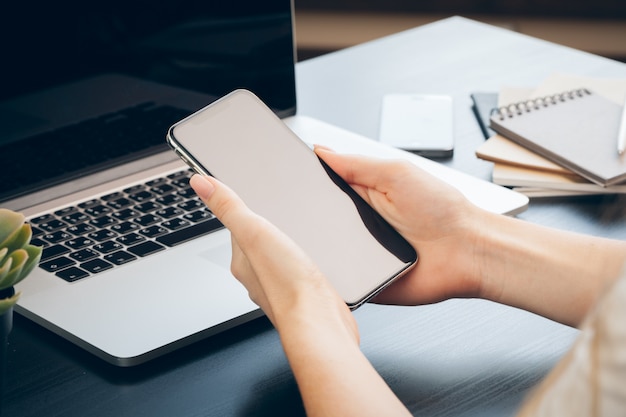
(560, 138)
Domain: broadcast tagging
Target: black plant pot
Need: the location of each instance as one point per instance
(6, 324)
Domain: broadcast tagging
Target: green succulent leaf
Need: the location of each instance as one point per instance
(34, 256)
(7, 303)
(5, 268)
(10, 221)
(18, 258)
(20, 237)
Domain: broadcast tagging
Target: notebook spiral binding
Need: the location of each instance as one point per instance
(510, 110)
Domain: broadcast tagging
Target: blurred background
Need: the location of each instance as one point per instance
(596, 26)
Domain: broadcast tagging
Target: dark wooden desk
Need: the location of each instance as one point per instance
(456, 358)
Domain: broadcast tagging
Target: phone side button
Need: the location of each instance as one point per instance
(181, 156)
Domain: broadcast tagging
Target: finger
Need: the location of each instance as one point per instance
(317, 146)
(356, 169)
(222, 201)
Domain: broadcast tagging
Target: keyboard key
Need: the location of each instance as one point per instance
(162, 189)
(96, 265)
(51, 225)
(168, 200)
(156, 182)
(98, 210)
(56, 237)
(153, 231)
(57, 264)
(103, 221)
(130, 239)
(36, 231)
(53, 251)
(81, 229)
(181, 183)
(147, 207)
(146, 248)
(108, 247)
(198, 216)
(120, 203)
(175, 224)
(126, 214)
(141, 196)
(184, 235)
(65, 211)
(89, 203)
(102, 235)
(35, 241)
(120, 257)
(123, 228)
(184, 172)
(186, 192)
(180, 175)
(135, 189)
(191, 205)
(112, 196)
(75, 218)
(169, 212)
(147, 220)
(72, 274)
(78, 243)
(42, 219)
(84, 255)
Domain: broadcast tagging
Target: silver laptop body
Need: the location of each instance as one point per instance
(134, 267)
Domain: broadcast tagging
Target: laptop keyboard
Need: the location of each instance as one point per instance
(121, 227)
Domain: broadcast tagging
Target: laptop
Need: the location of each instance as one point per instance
(134, 266)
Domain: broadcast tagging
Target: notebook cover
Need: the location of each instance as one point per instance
(578, 132)
(500, 149)
(515, 176)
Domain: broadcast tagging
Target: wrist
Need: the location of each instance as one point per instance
(553, 273)
(470, 251)
(313, 308)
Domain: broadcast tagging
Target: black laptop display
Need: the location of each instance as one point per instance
(205, 47)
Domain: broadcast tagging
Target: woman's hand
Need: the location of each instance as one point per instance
(278, 275)
(317, 330)
(436, 219)
(465, 251)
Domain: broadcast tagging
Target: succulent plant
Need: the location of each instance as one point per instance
(17, 256)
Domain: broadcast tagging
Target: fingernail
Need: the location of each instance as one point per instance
(202, 186)
(322, 148)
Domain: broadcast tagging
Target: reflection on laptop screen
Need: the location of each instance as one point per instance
(122, 52)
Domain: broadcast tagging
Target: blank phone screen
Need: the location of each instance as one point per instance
(242, 143)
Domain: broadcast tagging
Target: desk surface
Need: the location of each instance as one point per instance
(456, 358)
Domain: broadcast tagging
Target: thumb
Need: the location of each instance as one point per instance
(203, 187)
(220, 199)
(356, 170)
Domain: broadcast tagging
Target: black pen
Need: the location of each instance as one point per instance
(621, 135)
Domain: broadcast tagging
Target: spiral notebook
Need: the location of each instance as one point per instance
(576, 129)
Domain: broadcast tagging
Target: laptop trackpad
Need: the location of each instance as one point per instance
(220, 255)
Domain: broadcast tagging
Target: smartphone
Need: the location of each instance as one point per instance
(419, 123)
(241, 142)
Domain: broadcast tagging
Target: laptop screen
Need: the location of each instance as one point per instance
(205, 46)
